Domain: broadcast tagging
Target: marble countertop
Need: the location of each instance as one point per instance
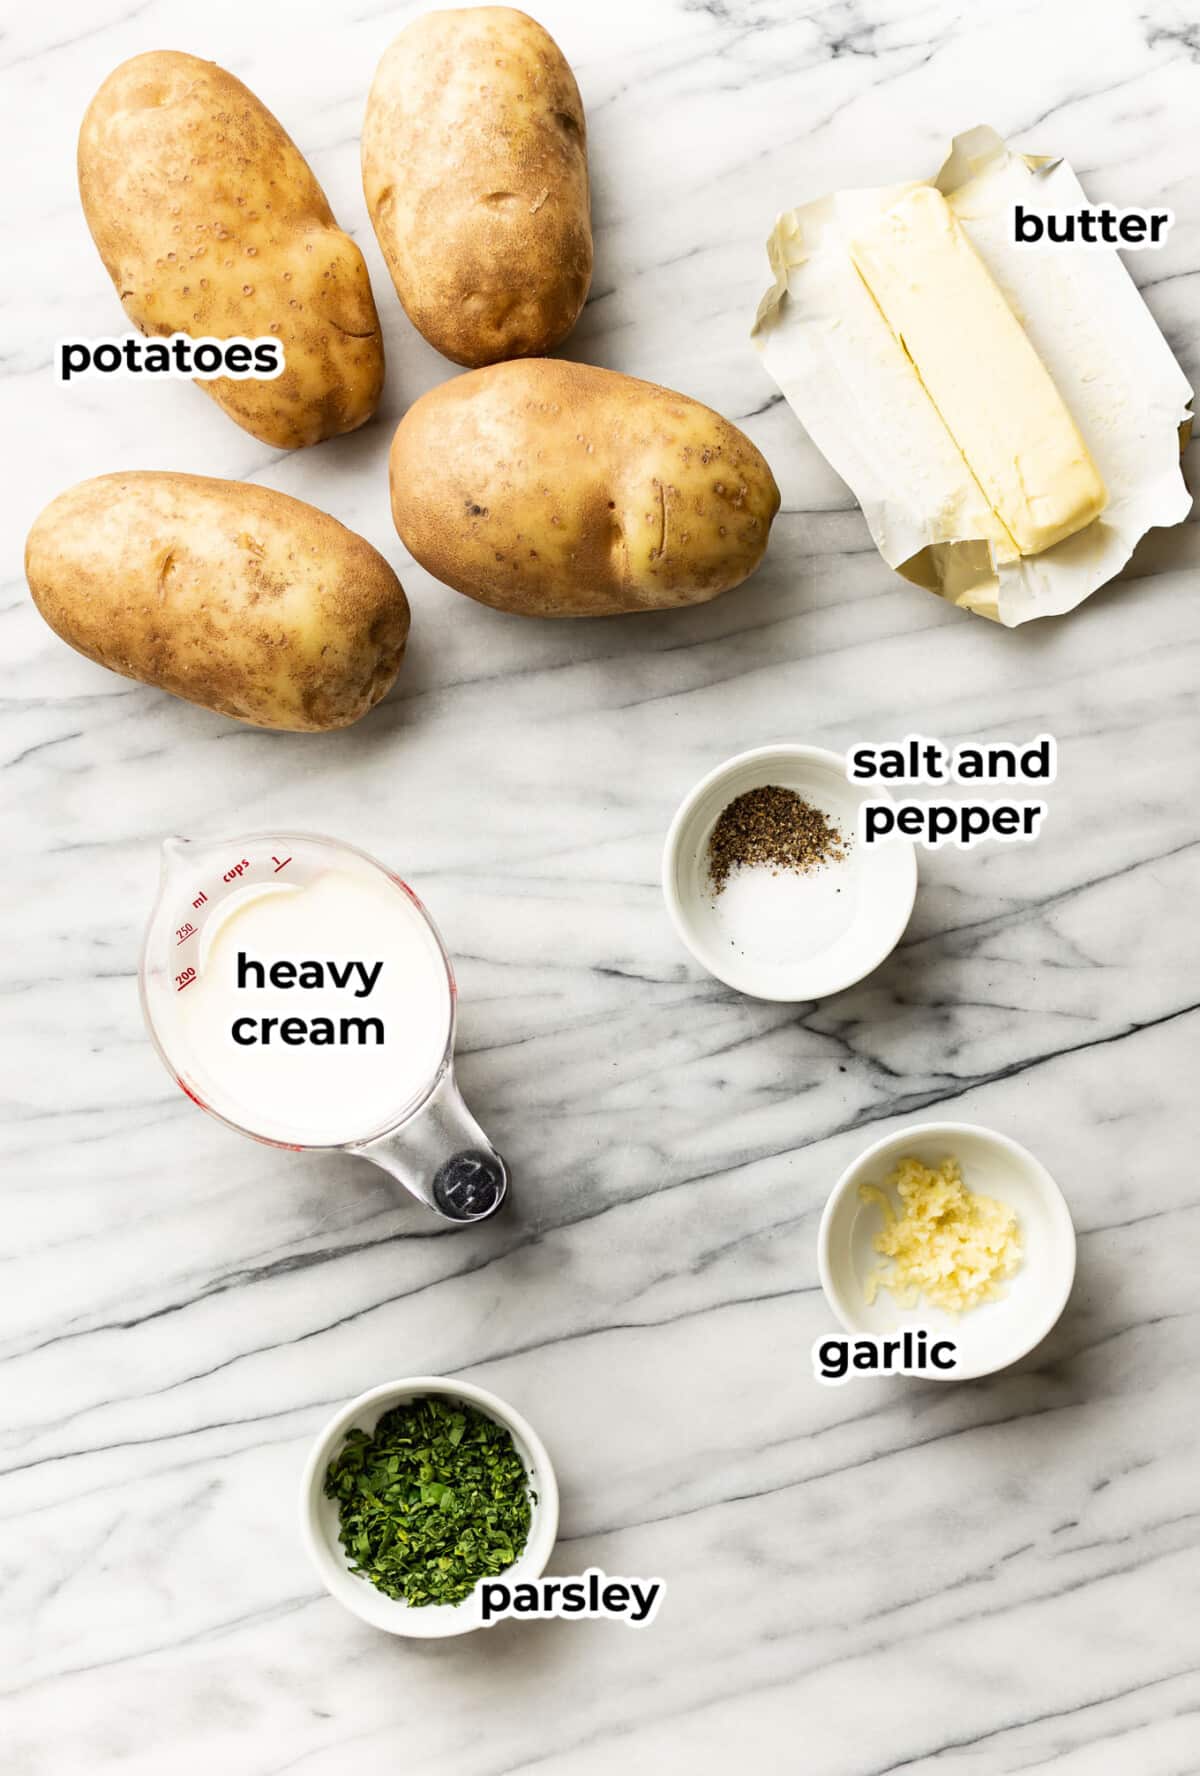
(884, 1577)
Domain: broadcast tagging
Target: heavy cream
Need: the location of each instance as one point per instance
(319, 1014)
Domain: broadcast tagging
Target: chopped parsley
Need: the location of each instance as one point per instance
(431, 1502)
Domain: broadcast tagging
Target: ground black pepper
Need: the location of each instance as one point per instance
(775, 827)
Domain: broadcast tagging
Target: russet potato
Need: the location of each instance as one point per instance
(560, 490)
(232, 596)
(474, 158)
(210, 222)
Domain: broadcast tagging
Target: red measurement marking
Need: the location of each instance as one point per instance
(185, 979)
(199, 902)
(278, 865)
(183, 933)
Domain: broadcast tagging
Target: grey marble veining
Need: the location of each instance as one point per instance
(885, 1577)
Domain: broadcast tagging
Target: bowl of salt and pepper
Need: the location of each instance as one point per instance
(769, 885)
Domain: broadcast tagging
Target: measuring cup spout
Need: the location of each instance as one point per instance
(174, 850)
(443, 1158)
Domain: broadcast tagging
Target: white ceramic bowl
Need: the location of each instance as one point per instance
(788, 936)
(996, 1333)
(319, 1515)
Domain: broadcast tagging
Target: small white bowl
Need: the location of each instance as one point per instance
(996, 1333)
(319, 1515)
(788, 936)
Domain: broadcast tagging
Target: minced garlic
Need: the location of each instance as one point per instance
(949, 1246)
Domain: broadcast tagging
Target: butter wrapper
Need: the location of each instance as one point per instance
(855, 390)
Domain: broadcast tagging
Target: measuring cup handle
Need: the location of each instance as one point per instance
(443, 1158)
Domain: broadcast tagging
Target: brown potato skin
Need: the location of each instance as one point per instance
(210, 222)
(559, 490)
(235, 597)
(474, 155)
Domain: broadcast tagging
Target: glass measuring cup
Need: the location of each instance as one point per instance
(426, 1138)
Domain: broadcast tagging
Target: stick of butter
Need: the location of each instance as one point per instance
(994, 394)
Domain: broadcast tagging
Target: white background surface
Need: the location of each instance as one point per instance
(862, 1580)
